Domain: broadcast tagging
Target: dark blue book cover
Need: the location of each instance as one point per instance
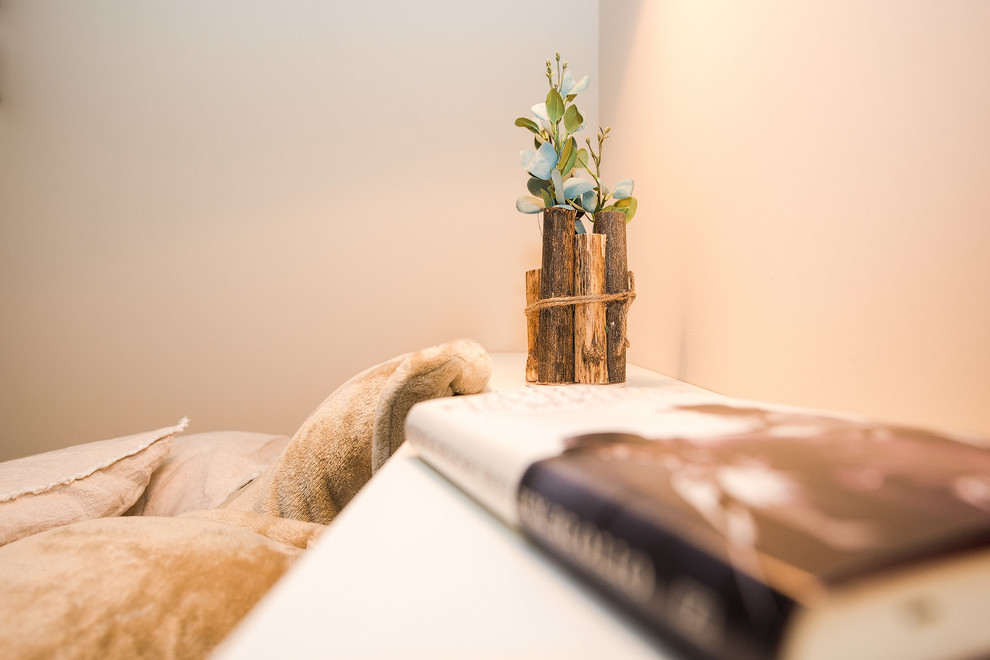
(717, 541)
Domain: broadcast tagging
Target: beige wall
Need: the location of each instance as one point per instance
(224, 208)
(814, 187)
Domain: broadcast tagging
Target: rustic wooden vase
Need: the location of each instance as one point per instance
(576, 330)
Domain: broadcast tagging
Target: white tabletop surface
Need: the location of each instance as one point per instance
(412, 568)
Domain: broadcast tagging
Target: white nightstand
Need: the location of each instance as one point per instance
(412, 568)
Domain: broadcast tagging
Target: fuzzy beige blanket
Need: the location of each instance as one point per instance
(351, 434)
(134, 587)
(129, 587)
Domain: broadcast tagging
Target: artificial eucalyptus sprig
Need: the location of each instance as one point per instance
(556, 159)
(624, 201)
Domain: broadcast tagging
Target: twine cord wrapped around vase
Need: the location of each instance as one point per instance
(592, 352)
(626, 297)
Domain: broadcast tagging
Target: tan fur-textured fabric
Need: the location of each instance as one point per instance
(351, 434)
(297, 533)
(147, 587)
(160, 587)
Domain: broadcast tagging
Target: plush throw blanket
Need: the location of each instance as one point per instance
(157, 587)
(351, 434)
(135, 587)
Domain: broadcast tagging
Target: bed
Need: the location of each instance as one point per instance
(158, 543)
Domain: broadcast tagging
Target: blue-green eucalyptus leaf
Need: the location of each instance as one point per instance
(582, 157)
(588, 201)
(528, 124)
(579, 226)
(568, 156)
(573, 121)
(566, 84)
(527, 204)
(547, 197)
(568, 167)
(566, 150)
(554, 106)
(579, 86)
(544, 160)
(623, 189)
(627, 206)
(540, 111)
(535, 186)
(577, 187)
(558, 186)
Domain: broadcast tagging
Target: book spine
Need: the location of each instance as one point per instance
(470, 458)
(681, 592)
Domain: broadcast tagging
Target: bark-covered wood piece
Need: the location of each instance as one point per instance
(532, 323)
(613, 225)
(555, 347)
(590, 365)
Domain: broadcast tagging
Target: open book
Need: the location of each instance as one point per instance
(737, 529)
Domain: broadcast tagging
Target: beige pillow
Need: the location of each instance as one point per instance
(140, 587)
(91, 480)
(204, 469)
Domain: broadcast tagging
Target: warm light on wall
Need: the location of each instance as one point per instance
(813, 206)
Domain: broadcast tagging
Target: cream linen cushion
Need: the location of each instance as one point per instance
(91, 480)
(204, 469)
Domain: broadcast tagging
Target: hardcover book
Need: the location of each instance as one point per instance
(737, 529)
